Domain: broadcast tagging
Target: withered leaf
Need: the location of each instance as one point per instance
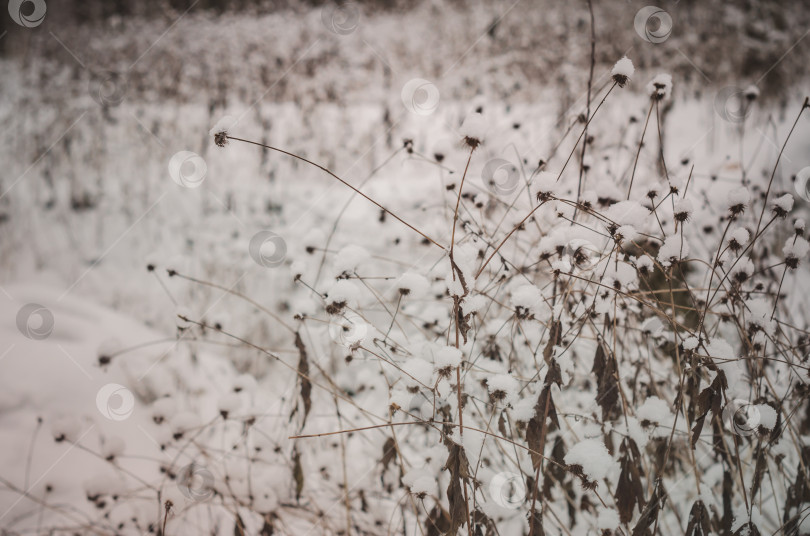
(303, 376)
(536, 523)
(554, 335)
(798, 493)
(438, 522)
(629, 490)
(698, 524)
(650, 513)
(389, 453)
(238, 526)
(298, 474)
(749, 529)
(459, 469)
(537, 430)
(607, 386)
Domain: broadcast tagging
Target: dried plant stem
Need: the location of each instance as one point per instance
(173, 273)
(519, 225)
(640, 145)
(805, 104)
(453, 269)
(426, 237)
(588, 110)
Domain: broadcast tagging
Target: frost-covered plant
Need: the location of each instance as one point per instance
(575, 357)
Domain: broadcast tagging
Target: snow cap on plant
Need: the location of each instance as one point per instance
(672, 250)
(683, 210)
(221, 128)
(546, 184)
(622, 71)
(503, 388)
(738, 238)
(473, 130)
(782, 205)
(644, 265)
(798, 227)
(660, 87)
(796, 248)
(737, 199)
(446, 359)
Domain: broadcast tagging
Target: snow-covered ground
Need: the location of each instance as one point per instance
(173, 312)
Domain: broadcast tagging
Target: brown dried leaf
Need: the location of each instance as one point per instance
(389, 452)
(554, 335)
(298, 474)
(607, 386)
(303, 375)
(537, 430)
(698, 524)
(650, 514)
(629, 490)
(459, 469)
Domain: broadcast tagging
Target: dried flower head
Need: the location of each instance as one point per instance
(622, 71)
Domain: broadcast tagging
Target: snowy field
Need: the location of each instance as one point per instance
(491, 287)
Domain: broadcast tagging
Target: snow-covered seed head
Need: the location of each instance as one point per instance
(546, 184)
(622, 71)
(644, 265)
(782, 206)
(221, 128)
(737, 200)
(683, 210)
(751, 93)
(738, 238)
(660, 88)
(473, 130)
(795, 249)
